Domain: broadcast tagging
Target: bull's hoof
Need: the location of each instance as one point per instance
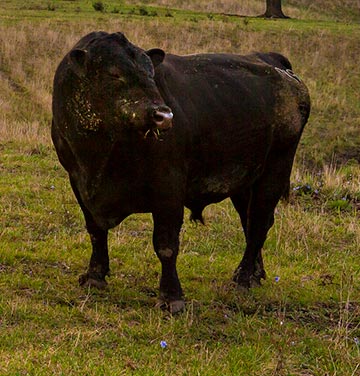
(87, 280)
(176, 306)
(173, 307)
(242, 280)
(255, 281)
(245, 282)
(242, 287)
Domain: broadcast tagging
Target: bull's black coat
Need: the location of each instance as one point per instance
(236, 126)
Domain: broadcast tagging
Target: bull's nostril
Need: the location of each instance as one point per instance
(162, 117)
(158, 116)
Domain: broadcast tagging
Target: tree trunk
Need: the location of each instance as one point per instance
(273, 9)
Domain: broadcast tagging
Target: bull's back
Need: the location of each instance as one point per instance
(234, 109)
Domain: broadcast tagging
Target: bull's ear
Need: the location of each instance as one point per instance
(156, 55)
(78, 58)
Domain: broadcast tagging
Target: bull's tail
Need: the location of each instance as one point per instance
(286, 193)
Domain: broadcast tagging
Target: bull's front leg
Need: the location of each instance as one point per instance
(166, 244)
(99, 261)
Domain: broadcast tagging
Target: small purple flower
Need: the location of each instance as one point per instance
(357, 341)
(277, 279)
(163, 344)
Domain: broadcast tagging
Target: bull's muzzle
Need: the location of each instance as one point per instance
(162, 117)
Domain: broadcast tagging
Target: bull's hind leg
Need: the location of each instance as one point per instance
(99, 261)
(259, 212)
(167, 226)
(260, 218)
(241, 203)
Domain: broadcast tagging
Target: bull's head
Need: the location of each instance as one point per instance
(116, 83)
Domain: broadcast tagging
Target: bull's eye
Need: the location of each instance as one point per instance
(115, 74)
(117, 77)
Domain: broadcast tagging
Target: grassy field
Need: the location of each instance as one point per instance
(304, 320)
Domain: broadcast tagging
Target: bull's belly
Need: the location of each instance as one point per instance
(218, 185)
(108, 214)
(110, 201)
(113, 201)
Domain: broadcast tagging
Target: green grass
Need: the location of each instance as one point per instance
(306, 323)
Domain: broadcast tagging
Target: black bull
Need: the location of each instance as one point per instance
(138, 131)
